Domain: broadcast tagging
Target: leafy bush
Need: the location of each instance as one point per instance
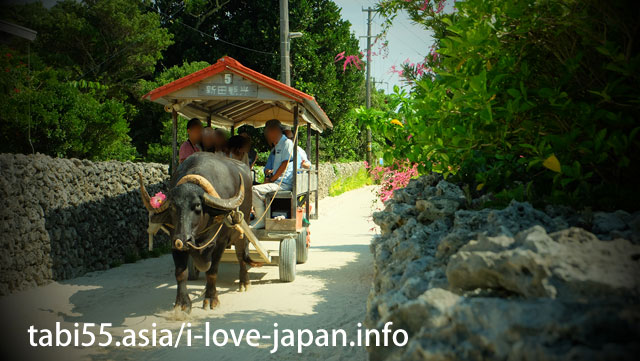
(262, 157)
(153, 122)
(42, 112)
(539, 94)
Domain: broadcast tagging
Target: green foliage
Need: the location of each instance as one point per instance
(60, 118)
(85, 60)
(152, 127)
(110, 52)
(516, 86)
(259, 173)
(114, 42)
(255, 25)
(262, 157)
(355, 181)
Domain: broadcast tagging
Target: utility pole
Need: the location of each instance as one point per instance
(285, 77)
(368, 84)
(374, 81)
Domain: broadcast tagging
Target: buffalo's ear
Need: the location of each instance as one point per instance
(163, 217)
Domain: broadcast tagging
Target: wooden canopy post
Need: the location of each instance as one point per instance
(294, 201)
(308, 150)
(315, 214)
(174, 141)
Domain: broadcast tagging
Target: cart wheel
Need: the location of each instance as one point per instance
(302, 249)
(193, 271)
(287, 262)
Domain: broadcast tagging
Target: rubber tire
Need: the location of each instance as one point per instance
(287, 262)
(194, 273)
(302, 251)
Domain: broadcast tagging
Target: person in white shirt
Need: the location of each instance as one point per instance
(303, 160)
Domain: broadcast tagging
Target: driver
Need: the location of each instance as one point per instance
(282, 176)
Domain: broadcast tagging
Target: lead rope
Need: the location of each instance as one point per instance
(209, 242)
(295, 138)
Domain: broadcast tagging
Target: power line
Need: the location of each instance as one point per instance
(181, 23)
(125, 48)
(217, 38)
(413, 32)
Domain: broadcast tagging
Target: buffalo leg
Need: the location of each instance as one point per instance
(210, 292)
(182, 273)
(242, 254)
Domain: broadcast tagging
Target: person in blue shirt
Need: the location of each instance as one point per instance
(281, 177)
(268, 167)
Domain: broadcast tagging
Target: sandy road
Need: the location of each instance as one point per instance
(329, 292)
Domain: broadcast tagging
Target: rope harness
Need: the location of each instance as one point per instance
(233, 218)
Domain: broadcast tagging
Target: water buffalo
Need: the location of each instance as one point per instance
(206, 192)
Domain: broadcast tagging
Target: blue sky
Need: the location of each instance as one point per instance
(406, 40)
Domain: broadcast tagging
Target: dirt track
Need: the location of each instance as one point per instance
(329, 292)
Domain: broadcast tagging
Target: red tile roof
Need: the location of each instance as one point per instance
(230, 64)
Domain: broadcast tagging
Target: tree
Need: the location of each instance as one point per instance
(46, 114)
(528, 99)
(114, 42)
(254, 25)
(153, 125)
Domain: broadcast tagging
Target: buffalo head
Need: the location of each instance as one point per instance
(191, 207)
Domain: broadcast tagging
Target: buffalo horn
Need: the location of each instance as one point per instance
(226, 203)
(146, 199)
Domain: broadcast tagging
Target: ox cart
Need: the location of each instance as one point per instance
(229, 95)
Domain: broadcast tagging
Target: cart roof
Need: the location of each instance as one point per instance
(234, 95)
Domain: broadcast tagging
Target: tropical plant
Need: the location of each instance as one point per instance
(542, 95)
(41, 112)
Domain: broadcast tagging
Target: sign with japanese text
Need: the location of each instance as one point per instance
(233, 89)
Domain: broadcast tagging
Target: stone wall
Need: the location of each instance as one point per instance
(64, 217)
(329, 173)
(61, 218)
(503, 284)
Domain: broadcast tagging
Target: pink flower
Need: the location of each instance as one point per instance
(157, 200)
(409, 137)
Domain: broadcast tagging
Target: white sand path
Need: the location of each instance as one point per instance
(329, 292)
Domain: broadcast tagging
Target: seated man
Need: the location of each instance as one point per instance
(268, 167)
(192, 144)
(282, 176)
(303, 160)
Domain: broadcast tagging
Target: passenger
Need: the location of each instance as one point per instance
(192, 144)
(239, 148)
(253, 155)
(208, 140)
(221, 141)
(303, 160)
(282, 176)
